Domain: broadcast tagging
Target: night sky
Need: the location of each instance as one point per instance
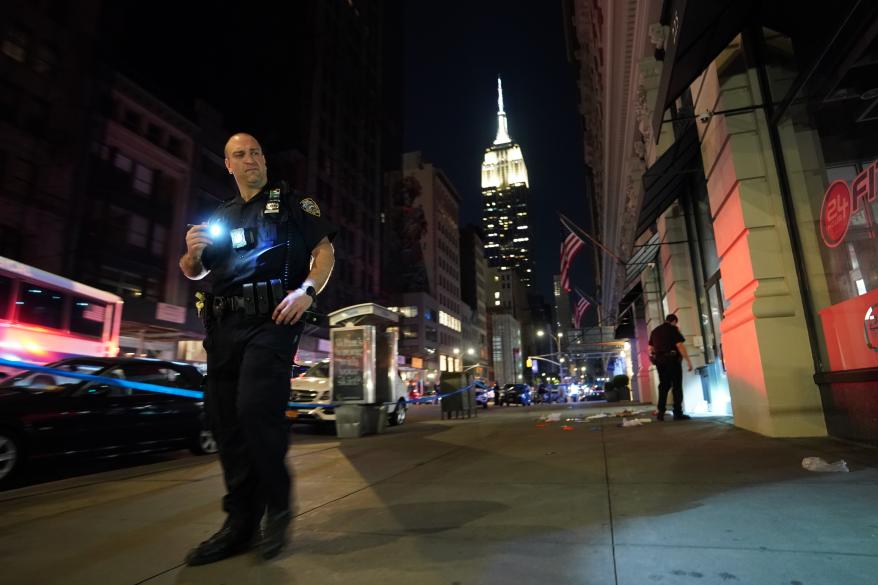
(454, 52)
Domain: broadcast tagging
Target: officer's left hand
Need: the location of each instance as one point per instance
(290, 310)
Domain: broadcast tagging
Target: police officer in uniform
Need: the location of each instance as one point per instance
(269, 253)
(667, 350)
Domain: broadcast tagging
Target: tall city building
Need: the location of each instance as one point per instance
(49, 85)
(505, 192)
(421, 268)
(473, 283)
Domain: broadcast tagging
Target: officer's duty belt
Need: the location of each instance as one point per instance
(256, 298)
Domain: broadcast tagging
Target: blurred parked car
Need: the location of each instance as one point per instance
(593, 392)
(557, 393)
(47, 414)
(483, 393)
(516, 394)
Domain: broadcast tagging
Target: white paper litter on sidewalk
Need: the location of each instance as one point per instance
(635, 422)
(553, 417)
(820, 465)
(597, 416)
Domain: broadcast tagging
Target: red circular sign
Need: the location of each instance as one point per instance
(835, 213)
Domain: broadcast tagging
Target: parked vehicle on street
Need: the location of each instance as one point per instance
(484, 394)
(593, 392)
(49, 414)
(516, 394)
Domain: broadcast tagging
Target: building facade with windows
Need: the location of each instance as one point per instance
(129, 241)
(473, 286)
(49, 89)
(747, 160)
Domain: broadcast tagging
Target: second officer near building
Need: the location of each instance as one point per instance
(269, 253)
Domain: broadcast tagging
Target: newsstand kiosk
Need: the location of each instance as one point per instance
(363, 364)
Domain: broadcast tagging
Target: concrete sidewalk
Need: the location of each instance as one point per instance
(501, 498)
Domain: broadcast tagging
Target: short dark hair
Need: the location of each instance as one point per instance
(671, 318)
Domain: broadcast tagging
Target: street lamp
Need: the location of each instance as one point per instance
(471, 351)
(557, 339)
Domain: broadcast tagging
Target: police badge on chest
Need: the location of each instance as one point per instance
(272, 206)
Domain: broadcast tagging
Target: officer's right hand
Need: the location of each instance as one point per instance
(197, 239)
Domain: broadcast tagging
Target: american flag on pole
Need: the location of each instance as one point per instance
(570, 247)
(579, 310)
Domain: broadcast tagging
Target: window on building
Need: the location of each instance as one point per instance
(38, 305)
(153, 133)
(830, 152)
(159, 239)
(138, 230)
(132, 120)
(123, 163)
(143, 179)
(175, 146)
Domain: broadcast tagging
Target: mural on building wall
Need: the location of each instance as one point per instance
(408, 272)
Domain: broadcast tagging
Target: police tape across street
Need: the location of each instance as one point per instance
(186, 393)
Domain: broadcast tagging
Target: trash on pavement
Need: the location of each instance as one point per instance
(566, 428)
(635, 422)
(597, 416)
(627, 412)
(553, 417)
(820, 465)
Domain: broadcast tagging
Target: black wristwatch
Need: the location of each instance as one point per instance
(310, 292)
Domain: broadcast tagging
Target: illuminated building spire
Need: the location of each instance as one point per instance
(502, 130)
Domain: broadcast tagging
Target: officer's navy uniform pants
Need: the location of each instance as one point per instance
(248, 386)
(670, 378)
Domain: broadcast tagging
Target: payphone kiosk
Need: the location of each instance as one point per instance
(367, 390)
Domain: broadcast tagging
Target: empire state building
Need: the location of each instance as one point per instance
(505, 193)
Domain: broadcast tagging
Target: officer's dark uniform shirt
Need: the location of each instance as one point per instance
(665, 338)
(297, 218)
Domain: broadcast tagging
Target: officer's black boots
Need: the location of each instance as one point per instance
(230, 540)
(274, 533)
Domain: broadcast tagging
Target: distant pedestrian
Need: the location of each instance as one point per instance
(667, 350)
(541, 392)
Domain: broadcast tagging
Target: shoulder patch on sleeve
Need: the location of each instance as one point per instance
(310, 206)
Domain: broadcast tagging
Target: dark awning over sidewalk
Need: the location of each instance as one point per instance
(699, 30)
(663, 181)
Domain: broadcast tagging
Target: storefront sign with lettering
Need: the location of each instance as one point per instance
(841, 201)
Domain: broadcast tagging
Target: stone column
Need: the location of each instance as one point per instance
(765, 340)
